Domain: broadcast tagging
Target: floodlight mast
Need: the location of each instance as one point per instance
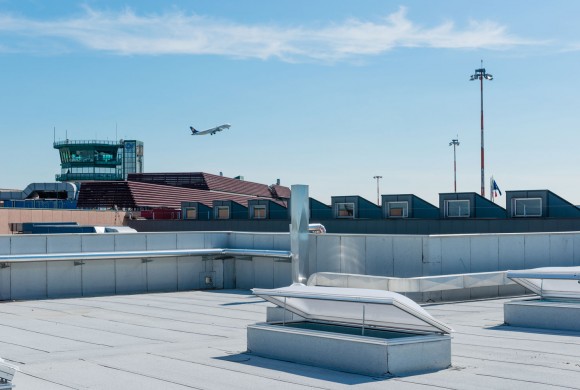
(480, 74)
(455, 143)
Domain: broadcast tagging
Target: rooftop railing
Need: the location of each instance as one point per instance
(88, 176)
(85, 142)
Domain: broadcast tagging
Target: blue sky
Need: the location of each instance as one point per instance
(325, 93)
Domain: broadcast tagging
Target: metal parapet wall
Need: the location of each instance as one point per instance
(127, 269)
(73, 265)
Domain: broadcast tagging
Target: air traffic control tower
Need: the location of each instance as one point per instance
(99, 160)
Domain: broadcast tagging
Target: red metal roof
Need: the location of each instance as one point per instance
(208, 181)
(133, 194)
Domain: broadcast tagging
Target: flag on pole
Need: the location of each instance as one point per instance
(496, 189)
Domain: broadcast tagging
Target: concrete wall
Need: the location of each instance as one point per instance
(380, 255)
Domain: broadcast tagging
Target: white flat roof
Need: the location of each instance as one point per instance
(197, 340)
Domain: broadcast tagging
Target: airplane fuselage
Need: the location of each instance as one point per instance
(211, 131)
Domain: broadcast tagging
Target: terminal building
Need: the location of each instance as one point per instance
(99, 175)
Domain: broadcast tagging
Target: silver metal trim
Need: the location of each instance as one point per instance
(76, 256)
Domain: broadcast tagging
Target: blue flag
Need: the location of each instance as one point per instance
(496, 187)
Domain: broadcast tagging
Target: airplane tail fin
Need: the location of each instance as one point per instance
(193, 131)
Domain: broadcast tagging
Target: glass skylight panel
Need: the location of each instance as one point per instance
(358, 307)
(550, 282)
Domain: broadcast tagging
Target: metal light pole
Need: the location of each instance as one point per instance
(378, 178)
(455, 143)
(480, 74)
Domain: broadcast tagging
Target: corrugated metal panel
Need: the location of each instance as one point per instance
(133, 194)
(208, 181)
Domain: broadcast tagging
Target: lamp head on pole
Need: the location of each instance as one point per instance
(480, 74)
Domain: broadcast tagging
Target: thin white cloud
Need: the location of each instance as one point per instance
(127, 33)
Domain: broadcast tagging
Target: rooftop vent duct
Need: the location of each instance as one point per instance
(299, 215)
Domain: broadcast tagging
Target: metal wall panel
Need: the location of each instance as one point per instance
(98, 277)
(484, 253)
(511, 251)
(328, 253)
(379, 259)
(244, 274)
(130, 242)
(263, 272)
(484, 292)
(130, 276)
(537, 250)
(28, 280)
(229, 274)
(431, 256)
(242, 240)
(5, 245)
(408, 256)
(282, 273)
(217, 240)
(455, 295)
(311, 265)
(282, 241)
(367, 282)
(98, 242)
(217, 266)
(511, 289)
(353, 254)
(28, 244)
(5, 287)
(188, 269)
(160, 241)
(64, 279)
(561, 250)
(5, 270)
(576, 249)
(190, 240)
(455, 255)
(263, 241)
(162, 274)
(63, 243)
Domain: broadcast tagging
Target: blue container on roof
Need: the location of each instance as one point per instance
(468, 205)
(196, 210)
(407, 206)
(267, 209)
(539, 204)
(354, 207)
(228, 209)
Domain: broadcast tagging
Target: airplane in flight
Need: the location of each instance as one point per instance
(211, 131)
